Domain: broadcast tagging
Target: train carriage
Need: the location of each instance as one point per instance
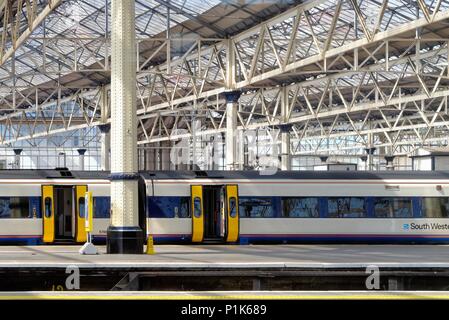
(47, 206)
(299, 206)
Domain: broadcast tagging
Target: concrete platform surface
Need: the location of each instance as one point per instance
(233, 256)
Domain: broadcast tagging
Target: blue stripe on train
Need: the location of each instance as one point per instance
(156, 239)
(304, 239)
(260, 238)
(22, 240)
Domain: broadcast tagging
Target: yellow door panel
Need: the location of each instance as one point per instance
(232, 200)
(196, 193)
(80, 235)
(48, 214)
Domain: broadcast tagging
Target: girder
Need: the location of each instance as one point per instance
(365, 67)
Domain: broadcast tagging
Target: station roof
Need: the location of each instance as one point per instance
(78, 24)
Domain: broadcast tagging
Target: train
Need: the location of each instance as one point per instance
(238, 207)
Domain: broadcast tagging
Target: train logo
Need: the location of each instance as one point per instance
(405, 226)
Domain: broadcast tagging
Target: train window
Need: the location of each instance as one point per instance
(102, 206)
(48, 207)
(256, 207)
(184, 205)
(15, 207)
(168, 207)
(81, 206)
(346, 207)
(435, 207)
(232, 207)
(197, 207)
(300, 207)
(393, 208)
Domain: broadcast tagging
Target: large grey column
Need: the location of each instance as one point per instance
(285, 147)
(285, 132)
(81, 153)
(17, 153)
(370, 155)
(105, 131)
(165, 156)
(232, 98)
(124, 234)
(150, 159)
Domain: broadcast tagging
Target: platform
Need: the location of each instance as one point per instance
(223, 267)
(225, 256)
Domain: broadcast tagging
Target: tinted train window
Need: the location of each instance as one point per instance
(197, 207)
(393, 208)
(14, 207)
(183, 209)
(300, 207)
(48, 207)
(168, 207)
(233, 207)
(81, 206)
(346, 207)
(256, 207)
(102, 207)
(435, 207)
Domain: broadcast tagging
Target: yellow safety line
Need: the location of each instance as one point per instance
(228, 297)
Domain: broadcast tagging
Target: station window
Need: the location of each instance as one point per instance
(300, 207)
(435, 207)
(393, 208)
(346, 207)
(102, 207)
(256, 207)
(14, 207)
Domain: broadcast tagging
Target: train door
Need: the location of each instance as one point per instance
(215, 213)
(232, 213)
(196, 193)
(78, 217)
(63, 198)
(63, 213)
(48, 214)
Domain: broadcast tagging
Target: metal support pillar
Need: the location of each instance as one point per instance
(370, 155)
(370, 151)
(17, 153)
(158, 157)
(285, 132)
(389, 159)
(105, 146)
(285, 149)
(165, 156)
(124, 234)
(232, 98)
(81, 152)
(150, 162)
(364, 160)
(241, 149)
(245, 153)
